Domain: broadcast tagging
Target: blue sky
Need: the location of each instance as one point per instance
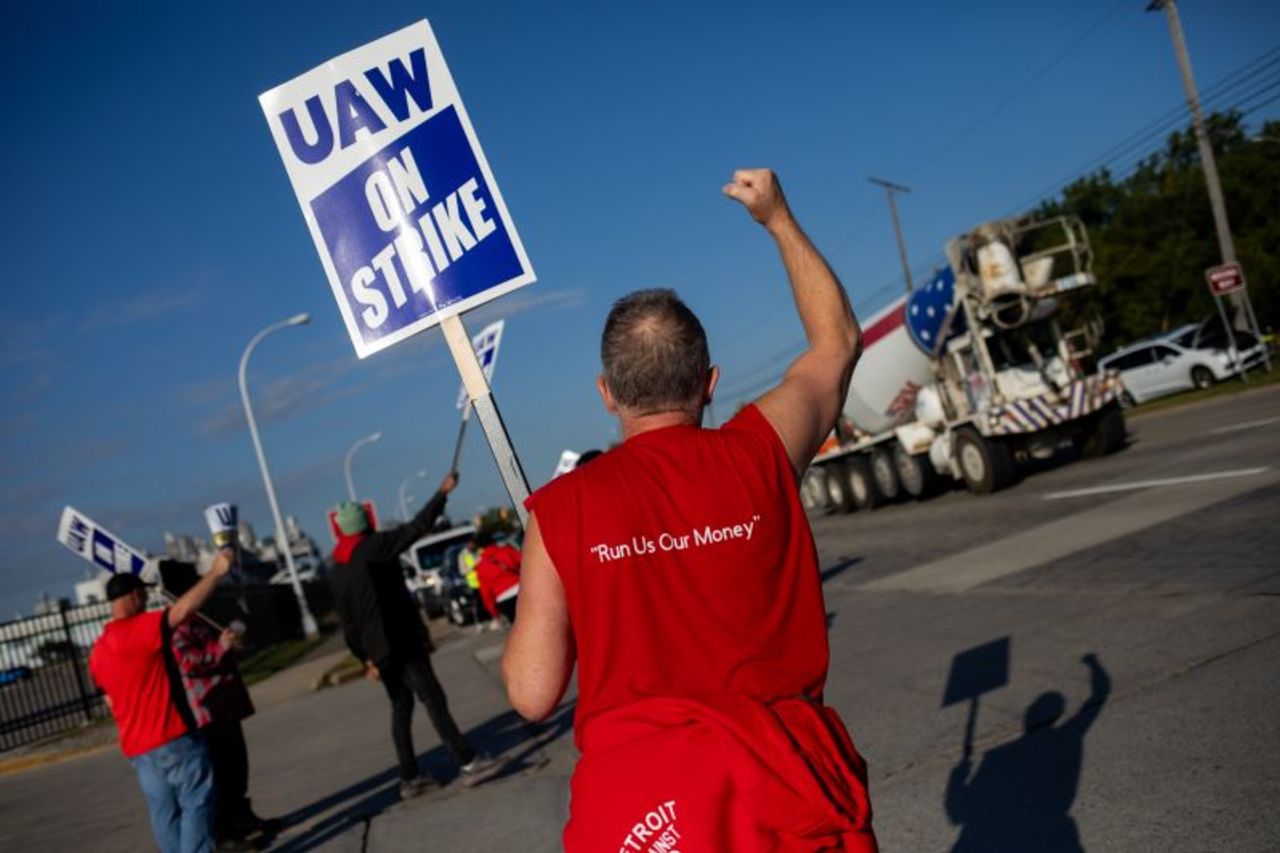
(151, 229)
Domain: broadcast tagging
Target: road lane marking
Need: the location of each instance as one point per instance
(1042, 545)
(1149, 484)
(1243, 426)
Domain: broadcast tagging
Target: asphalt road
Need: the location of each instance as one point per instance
(1173, 587)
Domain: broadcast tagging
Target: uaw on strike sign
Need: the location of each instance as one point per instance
(401, 203)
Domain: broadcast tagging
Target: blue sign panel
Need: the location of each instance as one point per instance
(414, 229)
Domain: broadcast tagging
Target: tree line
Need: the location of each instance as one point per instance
(1153, 234)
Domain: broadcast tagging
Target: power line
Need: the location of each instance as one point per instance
(1021, 90)
(1161, 126)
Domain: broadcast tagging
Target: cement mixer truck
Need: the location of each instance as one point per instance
(971, 374)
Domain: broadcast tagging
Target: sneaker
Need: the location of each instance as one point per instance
(264, 827)
(481, 768)
(415, 787)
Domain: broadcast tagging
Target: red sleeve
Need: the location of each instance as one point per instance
(147, 632)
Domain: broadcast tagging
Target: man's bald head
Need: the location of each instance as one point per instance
(654, 352)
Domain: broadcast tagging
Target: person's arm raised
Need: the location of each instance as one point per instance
(803, 408)
(540, 651)
(385, 546)
(193, 599)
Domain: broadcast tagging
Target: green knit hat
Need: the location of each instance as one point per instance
(352, 518)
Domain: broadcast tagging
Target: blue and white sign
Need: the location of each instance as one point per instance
(403, 208)
(486, 346)
(97, 545)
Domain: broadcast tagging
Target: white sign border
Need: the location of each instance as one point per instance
(364, 350)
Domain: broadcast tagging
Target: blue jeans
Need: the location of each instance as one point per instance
(177, 781)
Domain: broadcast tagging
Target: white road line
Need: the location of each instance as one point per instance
(1245, 425)
(1038, 546)
(1148, 484)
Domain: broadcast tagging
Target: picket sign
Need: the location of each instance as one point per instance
(403, 208)
(99, 546)
(109, 552)
(486, 345)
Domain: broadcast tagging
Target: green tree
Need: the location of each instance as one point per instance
(1153, 234)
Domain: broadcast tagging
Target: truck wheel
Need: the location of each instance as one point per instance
(1106, 435)
(986, 464)
(866, 493)
(838, 490)
(886, 473)
(813, 490)
(916, 473)
(1201, 376)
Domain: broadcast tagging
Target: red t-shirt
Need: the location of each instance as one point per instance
(128, 663)
(689, 568)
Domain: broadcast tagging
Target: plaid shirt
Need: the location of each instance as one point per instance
(209, 675)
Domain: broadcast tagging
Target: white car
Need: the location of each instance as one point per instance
(1192, 356)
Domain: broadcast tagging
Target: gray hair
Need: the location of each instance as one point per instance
(654, 352)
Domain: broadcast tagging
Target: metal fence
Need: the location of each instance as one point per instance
(45, 686)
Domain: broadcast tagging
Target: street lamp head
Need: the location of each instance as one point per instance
(300, 319)
(377, 436)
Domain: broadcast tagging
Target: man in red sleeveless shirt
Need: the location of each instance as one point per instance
(679, 573)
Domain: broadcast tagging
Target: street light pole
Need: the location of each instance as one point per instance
(1241, 309)
(889, 190)
(404, 505)
(309, 627)
(346, 463)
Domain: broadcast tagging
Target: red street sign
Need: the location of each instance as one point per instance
(1224, 279)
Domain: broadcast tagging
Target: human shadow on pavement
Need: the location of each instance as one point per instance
(1021, 795)
(520, 742)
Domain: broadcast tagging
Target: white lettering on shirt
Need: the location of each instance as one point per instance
(655, 832)
(643, 544)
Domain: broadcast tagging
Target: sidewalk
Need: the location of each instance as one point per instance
(347, 797)
(324, 762)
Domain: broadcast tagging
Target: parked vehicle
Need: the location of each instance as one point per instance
(433, 575)
(1192, 356)
(971, 373)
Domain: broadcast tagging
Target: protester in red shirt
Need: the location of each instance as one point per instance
(498, 570)
(679, 573)
(131, 663)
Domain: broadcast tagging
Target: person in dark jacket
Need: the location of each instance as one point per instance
(383, 629)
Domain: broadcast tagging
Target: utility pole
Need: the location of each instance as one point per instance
(1242, 311)
(889, 189)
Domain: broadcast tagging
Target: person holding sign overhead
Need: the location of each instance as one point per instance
(382, 628)
(130, 662)
(207, 662)
(679, 573)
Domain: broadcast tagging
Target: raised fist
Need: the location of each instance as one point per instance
(761, 194)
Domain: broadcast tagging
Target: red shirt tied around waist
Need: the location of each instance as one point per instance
(678, 572)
